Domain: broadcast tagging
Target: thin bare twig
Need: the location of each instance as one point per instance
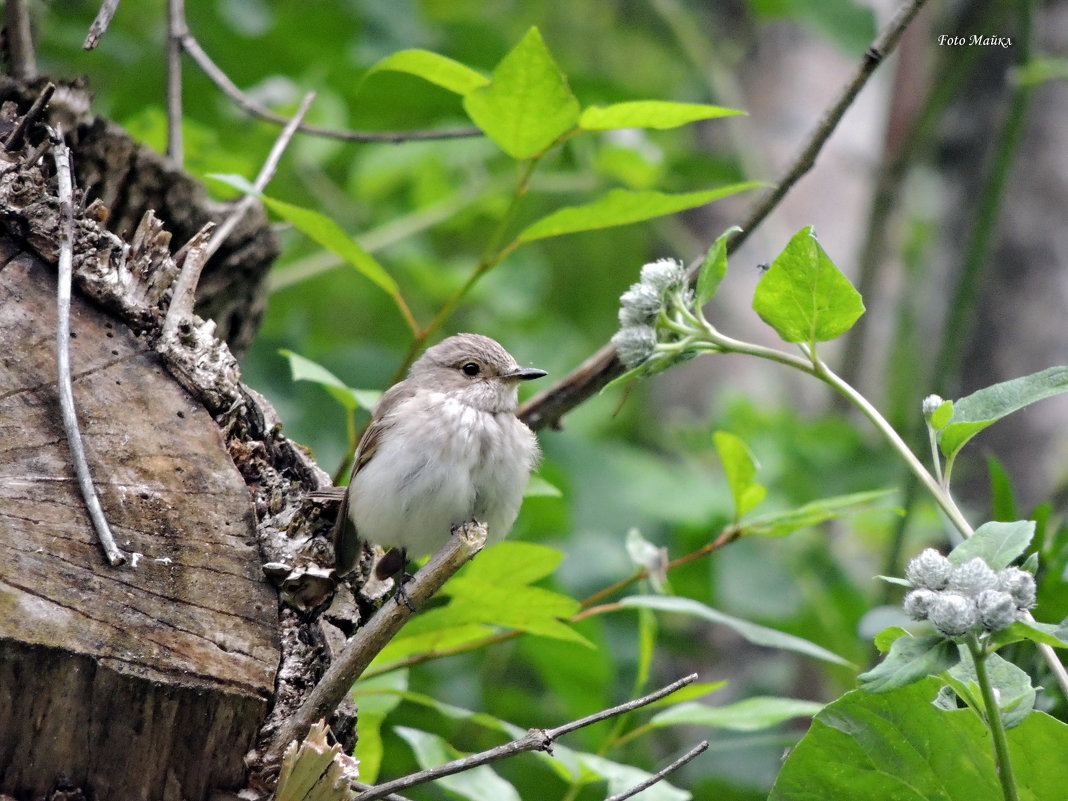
(176, 29)
(22, 56)
(547, 407)
(66, 391)
(250, 106)
(533, 740)
(361, 787)
(201, 248)
(374, 635)
(18, 133)
(100, 24)
(267, 171)
(689, 756)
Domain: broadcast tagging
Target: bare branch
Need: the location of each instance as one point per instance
(250, 106)
(66, 392)
(267, 172)
(100, 24)
(533, 740)
(547, 407)
(176, 29)
(375, 634)
(700, 748)
(18, 133)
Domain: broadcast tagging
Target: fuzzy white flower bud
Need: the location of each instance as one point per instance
(931, 404)
(1019, 584)
(996, 609)
(917, 604)
(639, 305)
(930, 570)
(952, 614)
(634, 344)
(664, 274)
(972, 577)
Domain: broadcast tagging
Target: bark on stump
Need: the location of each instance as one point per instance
(151, 680)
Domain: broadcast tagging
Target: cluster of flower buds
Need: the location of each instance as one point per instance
(968, 598)
(639, 308)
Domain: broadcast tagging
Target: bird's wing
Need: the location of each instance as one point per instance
(346, 538)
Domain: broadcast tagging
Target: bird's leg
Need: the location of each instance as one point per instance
(394, 565)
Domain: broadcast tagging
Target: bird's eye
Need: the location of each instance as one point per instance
(471, 368)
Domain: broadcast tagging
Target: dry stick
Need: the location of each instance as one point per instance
(20, 39)
(176, 28)
(373, 637)
(270, 165)
(690, 755)
(547, 407)
(100, 24)
(66, 391)
(18, 133)
(200, 248)
(250, 106)
(533, 740)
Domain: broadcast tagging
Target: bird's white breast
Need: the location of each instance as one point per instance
(440, 463)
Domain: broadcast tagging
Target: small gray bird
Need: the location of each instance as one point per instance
(444, 446)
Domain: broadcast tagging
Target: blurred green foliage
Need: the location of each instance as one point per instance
(425, 210)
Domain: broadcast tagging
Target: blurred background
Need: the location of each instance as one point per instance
(942, 196)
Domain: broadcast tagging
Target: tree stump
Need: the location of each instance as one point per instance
(154, 679)
(148, 680)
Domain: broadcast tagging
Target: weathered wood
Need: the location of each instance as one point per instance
(148, 680)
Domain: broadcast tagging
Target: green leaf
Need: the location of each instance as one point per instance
(909, 660)
(622, 207)
(779, 524)
(688, 693)
(1012, 686)
(527, 105)
(997, 544)
(986, 406)
(302, 369)
(895, 580)
(538, 487)
(1052, 634)
(888, 636)
(476, 784)
(714, 267)
(740, 468)
(332, 236)
(752, 714)
(899, 746)
(621, 778)
(942, 415)
(512, 563)
(376, 698)
(436, 632)
(804, 296)
(753, 632)
(659, 114)
(322, 230)
(437, 69)
(495, 590)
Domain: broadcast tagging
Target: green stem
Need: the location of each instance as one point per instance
(939, 494)
(993, 720)
(492, 255)
(818, 368)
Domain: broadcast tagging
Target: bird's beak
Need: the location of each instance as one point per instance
(525, 374)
